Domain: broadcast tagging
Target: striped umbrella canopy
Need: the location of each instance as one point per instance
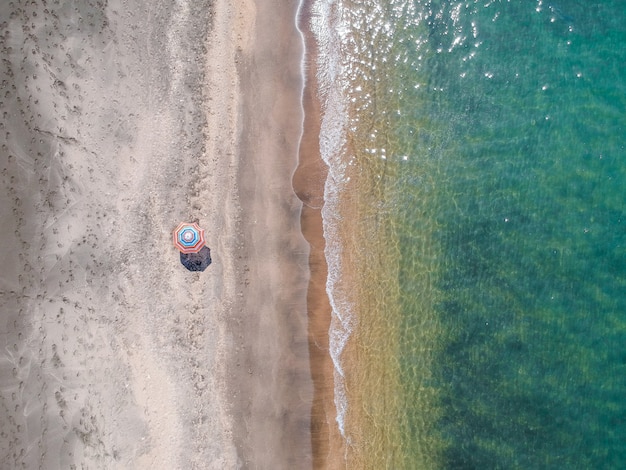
(189, 237)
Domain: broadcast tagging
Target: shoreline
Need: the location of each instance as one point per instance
(366, 284)
(308, 182)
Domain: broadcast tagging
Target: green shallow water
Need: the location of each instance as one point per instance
(501, 127)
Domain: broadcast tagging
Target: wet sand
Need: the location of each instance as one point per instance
(329, 446)
(118, 121)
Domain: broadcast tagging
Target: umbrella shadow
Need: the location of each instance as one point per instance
(196, 261)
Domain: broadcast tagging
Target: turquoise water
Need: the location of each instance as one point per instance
(502, 131)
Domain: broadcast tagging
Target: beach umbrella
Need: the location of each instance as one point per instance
(196, 261)
(188, 238)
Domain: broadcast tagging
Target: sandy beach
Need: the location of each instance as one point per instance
(118, 121)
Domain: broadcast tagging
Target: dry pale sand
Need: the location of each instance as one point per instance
(271, 360)
(119, 119)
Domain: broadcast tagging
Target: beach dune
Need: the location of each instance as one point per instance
(119, 120)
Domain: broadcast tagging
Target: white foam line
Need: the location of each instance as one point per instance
(326, 26)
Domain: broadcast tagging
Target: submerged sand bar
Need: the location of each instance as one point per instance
(121, 119)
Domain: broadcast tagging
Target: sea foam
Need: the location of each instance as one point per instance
(325, 24)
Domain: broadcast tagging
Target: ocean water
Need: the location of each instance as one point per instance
(475, 222)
